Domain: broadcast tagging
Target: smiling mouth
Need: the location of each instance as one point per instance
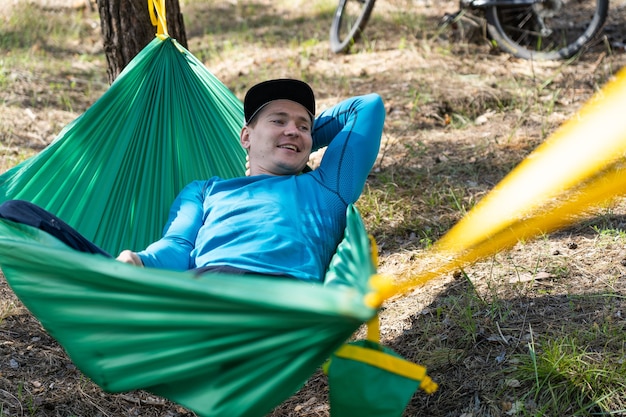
(290, 147)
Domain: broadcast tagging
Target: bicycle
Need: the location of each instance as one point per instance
(528, 29)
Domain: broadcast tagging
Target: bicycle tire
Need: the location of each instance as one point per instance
(349, 20)
(514, 29)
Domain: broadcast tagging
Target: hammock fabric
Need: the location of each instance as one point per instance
(220, 345)
(114, 171)
(367, 360)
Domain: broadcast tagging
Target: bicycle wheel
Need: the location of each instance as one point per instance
(349, 21)
(549, 29)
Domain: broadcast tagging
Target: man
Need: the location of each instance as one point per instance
(278, 220)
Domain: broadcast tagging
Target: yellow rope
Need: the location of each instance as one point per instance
(582, 165)
(158, 17)
(373, 329)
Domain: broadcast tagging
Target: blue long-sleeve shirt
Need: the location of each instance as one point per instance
(286, 225)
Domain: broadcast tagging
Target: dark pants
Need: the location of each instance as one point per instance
(24, 212)
(27, 213)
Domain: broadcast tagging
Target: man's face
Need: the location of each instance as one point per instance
(278, 140)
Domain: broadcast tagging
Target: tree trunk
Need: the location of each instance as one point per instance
(127, 29)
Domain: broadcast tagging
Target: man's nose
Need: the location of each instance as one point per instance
(291, 129)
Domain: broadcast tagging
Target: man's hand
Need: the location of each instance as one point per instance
(129, 257)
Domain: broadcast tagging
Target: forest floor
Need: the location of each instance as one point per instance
(460, 116)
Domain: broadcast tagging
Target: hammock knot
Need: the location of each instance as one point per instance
(382, 288)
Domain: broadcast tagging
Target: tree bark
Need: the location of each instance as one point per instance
(127, 29)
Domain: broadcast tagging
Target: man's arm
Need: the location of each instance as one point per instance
(173, 250)
(352, 130)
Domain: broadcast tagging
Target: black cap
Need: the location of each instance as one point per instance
(260, 95)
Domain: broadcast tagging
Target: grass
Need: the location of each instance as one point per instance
(460, 117)
(570, 378)
(46, 66)
(6, 309)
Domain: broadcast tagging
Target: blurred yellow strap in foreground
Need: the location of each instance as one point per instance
(580, 166)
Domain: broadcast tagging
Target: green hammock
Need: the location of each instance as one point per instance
(114, 171)
(221, 345)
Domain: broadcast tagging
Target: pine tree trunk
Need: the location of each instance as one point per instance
(127, 29)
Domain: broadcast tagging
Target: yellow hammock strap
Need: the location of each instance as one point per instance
(382, 288)
(389, 363)
(582, 165)
(159, 19)
(373, 329)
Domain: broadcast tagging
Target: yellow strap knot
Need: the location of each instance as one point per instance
(383, 287)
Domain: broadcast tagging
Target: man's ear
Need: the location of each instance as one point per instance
(244, 137)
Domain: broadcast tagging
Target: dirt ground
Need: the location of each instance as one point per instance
(483, 107)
